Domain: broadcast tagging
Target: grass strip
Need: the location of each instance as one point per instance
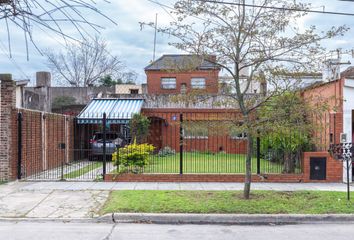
(79, 172)
(261, 202)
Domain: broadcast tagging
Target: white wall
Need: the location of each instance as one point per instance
(348, 106)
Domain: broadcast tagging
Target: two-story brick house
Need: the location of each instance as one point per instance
(174, 74)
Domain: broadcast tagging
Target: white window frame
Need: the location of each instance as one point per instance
(185, 136)
(169, 85)
(198, 86)
(239, 135)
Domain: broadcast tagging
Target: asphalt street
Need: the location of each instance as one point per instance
(105, 231)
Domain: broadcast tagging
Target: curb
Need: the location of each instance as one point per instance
(227, 219)
(211, 219)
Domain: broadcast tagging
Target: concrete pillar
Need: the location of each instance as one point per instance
(7, 103)
(43, 85)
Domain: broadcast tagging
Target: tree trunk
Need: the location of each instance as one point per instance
(248, 174)
(289, 165)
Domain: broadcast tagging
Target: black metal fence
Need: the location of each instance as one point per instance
(58, 147)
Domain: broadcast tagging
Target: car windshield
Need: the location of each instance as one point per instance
(109, 136)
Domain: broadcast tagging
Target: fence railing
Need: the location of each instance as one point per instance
(51, 146)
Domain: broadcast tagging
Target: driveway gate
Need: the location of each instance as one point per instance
(57, 147)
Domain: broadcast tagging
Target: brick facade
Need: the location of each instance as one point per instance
(165, 127)
(329, 125)
(154, 81)
(7, 102)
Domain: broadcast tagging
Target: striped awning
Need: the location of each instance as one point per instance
(118, 111)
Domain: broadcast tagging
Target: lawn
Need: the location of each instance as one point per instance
(208, 163)
(262, 202)
(81, 171)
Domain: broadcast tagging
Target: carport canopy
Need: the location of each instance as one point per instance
(118, 111)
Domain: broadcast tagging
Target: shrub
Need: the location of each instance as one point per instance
(133, 157)
(166, 151)
(139, 127)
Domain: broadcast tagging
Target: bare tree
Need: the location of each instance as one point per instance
(84, 63)
(49, 15)
(263, 40)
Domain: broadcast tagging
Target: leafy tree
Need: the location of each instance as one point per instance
(139, 127)
(123, 78)
(285, 127)
(63, 101)
(107, 81)
(263, 41)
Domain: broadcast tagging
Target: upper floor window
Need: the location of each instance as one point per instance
(198, 83)
(168, 83)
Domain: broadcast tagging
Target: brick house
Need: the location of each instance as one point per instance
(174, 74)
(338, 94)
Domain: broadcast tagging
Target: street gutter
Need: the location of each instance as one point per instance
(227, 219)
(211, 219)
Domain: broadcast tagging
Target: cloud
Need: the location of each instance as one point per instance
(135, 47)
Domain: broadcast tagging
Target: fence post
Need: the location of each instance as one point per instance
(181, 144)
(258, 155)
(19, 145)
(104, 144)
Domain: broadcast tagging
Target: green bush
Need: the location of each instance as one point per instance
(133, 157)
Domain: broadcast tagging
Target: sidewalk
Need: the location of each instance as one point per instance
(82, 200)
(211, 186)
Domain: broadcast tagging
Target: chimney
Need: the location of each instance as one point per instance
(43, 79)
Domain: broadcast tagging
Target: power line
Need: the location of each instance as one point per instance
(279, 8)
(3, 49)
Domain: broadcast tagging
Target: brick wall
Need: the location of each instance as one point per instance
(330, 122)
(334, 168)
(165, 127)
(7, 102)
(285, 178)
(154, 81)
(42, 134)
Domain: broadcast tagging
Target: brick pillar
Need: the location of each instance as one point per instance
(7, 103)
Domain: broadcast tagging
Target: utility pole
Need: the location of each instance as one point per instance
(153, 56)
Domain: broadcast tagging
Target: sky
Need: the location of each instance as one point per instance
(134, 45)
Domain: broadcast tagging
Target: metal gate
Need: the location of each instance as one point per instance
(56, 147)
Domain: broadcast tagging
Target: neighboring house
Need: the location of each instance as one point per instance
(20, 93)
(174, 74)
(129, 89)
(339, 96)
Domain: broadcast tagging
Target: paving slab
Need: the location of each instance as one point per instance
(146, 186)
(102, 186)
(18, 204)
(124, 186)
(65, 204)
(168, 186)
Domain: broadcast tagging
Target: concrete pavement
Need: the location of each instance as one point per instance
(73, 200)
(209, 186)
(104, 231)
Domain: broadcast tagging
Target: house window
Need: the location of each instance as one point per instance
(183, 88)
(237, 132)
(196, 129)
(168, 83)
(134, 91)
(198, 83)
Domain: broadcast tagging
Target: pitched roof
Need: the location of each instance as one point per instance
(348, 73)
(182, 62)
